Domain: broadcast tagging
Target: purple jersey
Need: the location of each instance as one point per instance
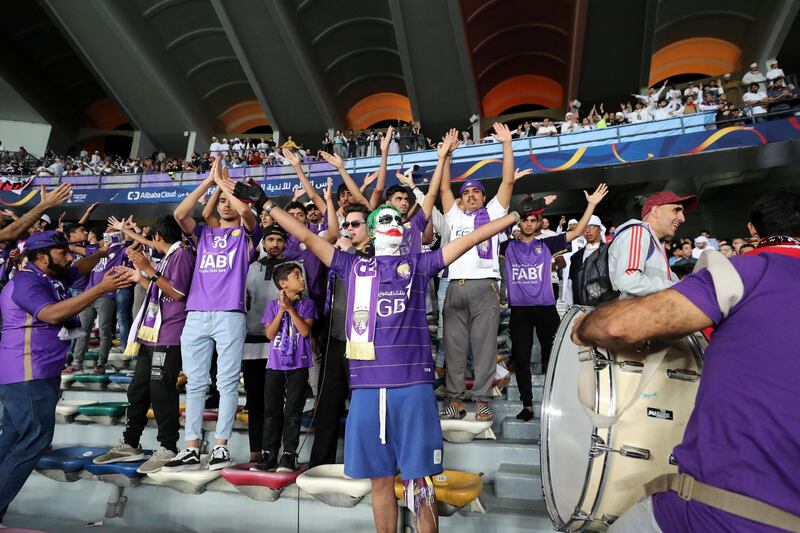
(173, 312)
(528, 270)
(116, 257)
(744, 433)
(29, 348)
(80, 283)
(402, 342)
(314, 269)
(412, 233)
(302, 356)
(220, 270)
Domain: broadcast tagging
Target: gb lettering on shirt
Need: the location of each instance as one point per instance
(527, 274)
(391, 303)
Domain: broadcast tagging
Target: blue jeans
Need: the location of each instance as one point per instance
(28, 426)
(124, 318)
(204, 329)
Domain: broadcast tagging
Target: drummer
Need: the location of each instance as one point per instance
(637, 264)
(743, 438)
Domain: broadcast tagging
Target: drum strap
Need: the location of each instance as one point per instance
(690, 489)
(729, 289)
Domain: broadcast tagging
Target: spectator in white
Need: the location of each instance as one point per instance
(95, 159)
(639, 114)
(774, 71)
(262, 146)
(570, 124)
(700, 246)
(652, 95)
(546, 129)
(214, 147)
(224, 147)
(755, 98)
(83, 153)
(674, 94)
(666, 109)
(755, 76)
(712, 242)
(466, 140)
(56, 168)
(238, 146)
(546, 231)
(692, 90)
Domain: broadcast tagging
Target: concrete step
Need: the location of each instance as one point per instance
(509, 515)
(485, 456)
(522, 482)
(517, 429)
(512, 391)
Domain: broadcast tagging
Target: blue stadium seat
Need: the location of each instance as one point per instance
(67, 464)
(119, 474)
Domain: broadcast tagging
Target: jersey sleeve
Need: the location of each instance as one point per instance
(626, 263)
(179, 271)
(342, 263)
(30, 295)
(429, 264)
(270, 311)
(556, 243)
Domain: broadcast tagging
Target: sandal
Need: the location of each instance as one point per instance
(483, 413)
(454, 411)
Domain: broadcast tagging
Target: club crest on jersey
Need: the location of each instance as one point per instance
(236, 233)
(303, 246)
(403, 270)
(537, 249)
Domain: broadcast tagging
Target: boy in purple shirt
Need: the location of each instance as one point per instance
(530, 293)
(744, 434)
(215, 314)
(155, 341)
(393, 420)
(38, 322)
(287, 324)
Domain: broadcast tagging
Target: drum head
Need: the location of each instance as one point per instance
(566, 430)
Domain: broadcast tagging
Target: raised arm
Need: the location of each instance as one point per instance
(591, 203)
(318, 246)
(458, 247)
(86, 264)
(242, 209)
(183, 213)
(311, 191)
(351, 185)
(380, 185)
(445, 191)
(332, 233)
(46, 200)
(503, 134)
(210, 209)
(88, 213)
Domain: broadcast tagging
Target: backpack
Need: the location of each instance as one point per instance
(594, 281)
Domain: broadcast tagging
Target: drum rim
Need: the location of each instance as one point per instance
(544, 443)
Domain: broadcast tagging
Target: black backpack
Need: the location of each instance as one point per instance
(594, 281)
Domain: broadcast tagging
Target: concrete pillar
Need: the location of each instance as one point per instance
(190, 146)
(141, 146)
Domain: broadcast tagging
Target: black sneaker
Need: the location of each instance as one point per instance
(188, 459)
(288, 463)
(220, 458)
(267, 462)
(526, 415)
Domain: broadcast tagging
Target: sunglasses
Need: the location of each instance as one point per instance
(387, 219)
(355, 224)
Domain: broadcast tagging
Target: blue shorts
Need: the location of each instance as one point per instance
(413, 434)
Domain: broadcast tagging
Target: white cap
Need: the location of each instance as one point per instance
(571, 222)
(45, 218)
(771, 62)
(753, 65)
(700, 239)
(568, 116)
(595, 221)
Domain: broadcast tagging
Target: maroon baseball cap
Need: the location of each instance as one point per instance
(668, 197)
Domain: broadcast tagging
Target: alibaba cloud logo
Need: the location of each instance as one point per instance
(133, 195)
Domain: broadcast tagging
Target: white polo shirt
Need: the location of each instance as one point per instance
(470, 265)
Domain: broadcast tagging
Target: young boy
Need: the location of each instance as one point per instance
(287, 324)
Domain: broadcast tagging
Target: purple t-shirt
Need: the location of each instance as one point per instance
(315, 270)
(528, 270)
(116, 257)
(173, 312)
(402, 342)
(744, 433)
(220, 270)
(412, 233)
(303, 356)
(80, 283)
(29, 348)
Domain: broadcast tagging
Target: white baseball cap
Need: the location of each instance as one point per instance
(700, 239)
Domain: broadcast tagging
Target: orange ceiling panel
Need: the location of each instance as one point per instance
(243, 116)
(698, 55)
(524, 89)
(377, 108)
(105, 114)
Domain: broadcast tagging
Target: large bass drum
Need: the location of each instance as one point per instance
(592, 475)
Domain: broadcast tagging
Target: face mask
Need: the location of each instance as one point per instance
(388, 232)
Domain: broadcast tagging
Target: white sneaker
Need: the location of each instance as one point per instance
(159, 458)
(188, 459)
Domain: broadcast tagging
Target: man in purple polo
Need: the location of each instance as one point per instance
(38, 322)
(215, 314)
(393, 421)
(743, 437)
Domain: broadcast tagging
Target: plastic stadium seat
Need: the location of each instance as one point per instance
(119, 381)
(243, 419)
(188, 481)
(119, 474)
(307, 420)
(67, 380)
(90, 381)
(119, 360)
(90, 358)
(105, 413)
(67, 464)
(67, 409)
(263, 486)
(467, 429)
(454, 490)
(329, 484)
